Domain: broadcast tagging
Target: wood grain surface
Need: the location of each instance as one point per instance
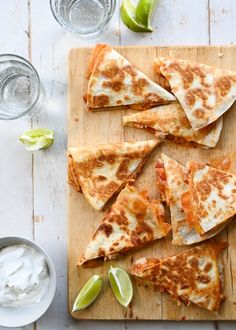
(86, 128)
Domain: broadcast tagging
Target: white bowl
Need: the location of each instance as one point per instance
(21, 316)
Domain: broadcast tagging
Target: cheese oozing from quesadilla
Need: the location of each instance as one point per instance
(204, 92)
(172, 183)
(193, 276)
(131, 222)
(170, 121)
(102, 171)
(114, 82)
(211, 197)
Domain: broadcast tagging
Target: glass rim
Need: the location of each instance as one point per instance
(27, 62)
(76, 31)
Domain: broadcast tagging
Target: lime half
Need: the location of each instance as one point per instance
(121, 285)
(144, 12)
(35, 139)
(89, 292)
(127, 13)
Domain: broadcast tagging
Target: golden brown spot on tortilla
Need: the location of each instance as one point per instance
(106, 228)
(193, 262)
(152, 98)
(115, 85)
(130, 70)
(119, 219)
(224, 85)
(190, 98)
(123, 169)
(208, 267)
(100, 100)
(138, 86)
(188, 78)
(138, 207)
(112, 71)
(203, 278)
(204, 189)
(101, 178)
(199, 113)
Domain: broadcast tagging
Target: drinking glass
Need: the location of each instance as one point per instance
(20, 88)
(88, 18)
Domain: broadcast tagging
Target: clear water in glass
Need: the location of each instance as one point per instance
(19, 87)
(83, 16)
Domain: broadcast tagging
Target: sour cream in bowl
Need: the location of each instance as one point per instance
(27, 282)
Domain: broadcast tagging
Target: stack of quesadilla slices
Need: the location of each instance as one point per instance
(131, 222)
(193, 276)
(100, 172)
(204, 93)
(202, 199)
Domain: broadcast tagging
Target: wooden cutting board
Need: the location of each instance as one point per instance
(86, 128)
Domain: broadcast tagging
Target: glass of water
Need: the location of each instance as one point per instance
(20, 88)
(88, 18)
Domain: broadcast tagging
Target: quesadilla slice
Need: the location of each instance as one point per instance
(172, 183)
(102, 171)
(193, 276)
(131, 222)
(170, 121)
(204, 92)
(211, 197)
(114, 82)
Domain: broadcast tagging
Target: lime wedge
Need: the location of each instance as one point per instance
(121, 285)
(144, 12)
(127, 13)
(89, 292)
(35, 139)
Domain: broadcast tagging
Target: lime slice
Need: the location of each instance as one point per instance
(121, 285)
(127, 13)
(89, 292)
(144, 12)
(35, 139)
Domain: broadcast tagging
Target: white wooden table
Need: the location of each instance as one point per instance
(33, 187)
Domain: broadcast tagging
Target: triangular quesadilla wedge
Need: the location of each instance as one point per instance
(193, 276)
(171, 181)
(100, 172)
(170, 121)
(131, 222)
(211, 197)
(114, 82)
(204, 92)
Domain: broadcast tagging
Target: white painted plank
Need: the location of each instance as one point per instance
(15, 178)
(222, 22)
(50, 55)
(174, 23)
